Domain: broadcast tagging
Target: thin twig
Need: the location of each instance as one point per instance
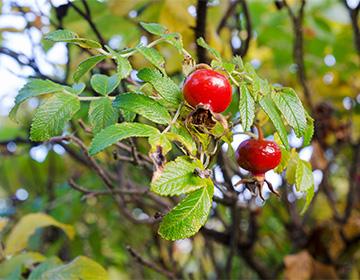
(242, 51)
(87, 16)
(230, 10)
(150, 264)
(298, 49)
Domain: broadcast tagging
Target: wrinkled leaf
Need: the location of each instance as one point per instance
(291, 108)
(143, 105)
(153, 56)
(51, 116)
(118, 132)
(102, 114)
(247, 108)
(179, 177)
(269, 107)
(186, 218)
(86, 65)
(162, 84)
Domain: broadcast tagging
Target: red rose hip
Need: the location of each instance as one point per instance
(258, 156)
(208, 87)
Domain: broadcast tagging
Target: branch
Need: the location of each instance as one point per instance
(200, 29)
(245, 44)
(231, 9)
(298, 49)
(150, 264)
(87, 16)
(354, 13)
(88, 192)
(353, 182)
(243, 249)
(23, 60)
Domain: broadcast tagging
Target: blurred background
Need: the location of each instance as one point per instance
(312, 46)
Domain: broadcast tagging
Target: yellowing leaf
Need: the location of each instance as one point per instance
(18, 237)
(3, 223)
(79, 268)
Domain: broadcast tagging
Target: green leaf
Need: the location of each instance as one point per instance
(128, 115)
(154, 28)
(153, 56)
(179, 177)
(161, 141)
(309, 131)
(180, 134)
(143, 105)
(36, 87)
(19, 235)
(247, 108)
(61, 35)
(269, 107)
(102, 114)
(67, 36)
(189, 215)
(78, 88)
(260, 88)
(11, 268)
(175, 40)
(201, 42)
(103, 84)
(166, 88)
(118, 132)
(290, 106)
(237, 60)
(304, 177)
(305, 182)
(51, 116)
(308, 198)
(33, 88)
(45, 266)
(291, 167)
(285, 157)
(123, 68)
(86, 65)
(80, 268)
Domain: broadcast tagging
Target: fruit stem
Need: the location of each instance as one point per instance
(202, 66)
(260, 133)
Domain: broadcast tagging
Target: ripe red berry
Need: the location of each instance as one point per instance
(258, 156)
(208, 87)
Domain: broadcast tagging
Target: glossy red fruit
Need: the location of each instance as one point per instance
(208, 87)
(258, 156)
